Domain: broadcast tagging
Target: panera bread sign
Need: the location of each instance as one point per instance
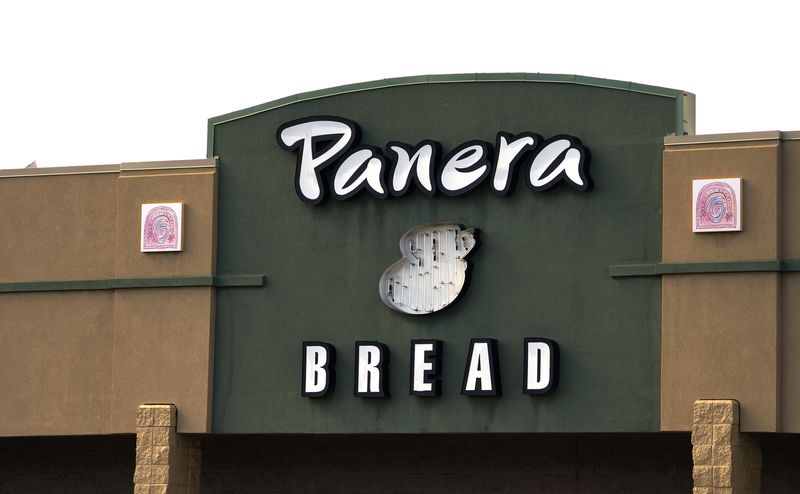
(324, 143)
(433, 270)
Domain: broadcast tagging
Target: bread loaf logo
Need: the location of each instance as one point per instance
(433, 271)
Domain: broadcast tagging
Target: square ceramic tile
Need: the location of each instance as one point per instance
(162, 227)
(717, 205)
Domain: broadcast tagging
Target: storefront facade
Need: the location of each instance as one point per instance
(586, 298)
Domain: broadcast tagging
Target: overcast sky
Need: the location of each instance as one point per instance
(110, 82)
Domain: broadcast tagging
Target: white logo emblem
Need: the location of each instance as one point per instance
(433, 270)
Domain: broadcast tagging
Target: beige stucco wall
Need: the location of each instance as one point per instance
(720, 338)
(790, 289)
(162, 353)
(758, 164)
(196, 188)
(58, 227)
(790, 350)
(80, 362)
(55, 362)
(790, 199)
(732, 335)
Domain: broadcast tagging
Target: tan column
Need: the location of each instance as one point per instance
(725, 460)
(166, 462)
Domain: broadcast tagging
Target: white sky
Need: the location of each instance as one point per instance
(112, 81)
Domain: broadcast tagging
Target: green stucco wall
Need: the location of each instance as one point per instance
(542, 268)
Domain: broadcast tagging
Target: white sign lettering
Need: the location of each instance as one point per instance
(541, 366)
(464, 168)
(318, 374)
(417, 163)
(303, 136)
(426, 358)
(510, 149)
(362, 168)
(372, 373)
(323, 141)
(482, 376)
(562, 159)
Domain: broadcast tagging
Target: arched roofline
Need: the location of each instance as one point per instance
(682, 122)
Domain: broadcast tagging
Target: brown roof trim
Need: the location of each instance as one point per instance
(770, 135)
(95, 169)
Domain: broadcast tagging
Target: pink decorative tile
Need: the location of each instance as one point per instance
(162, 227)
(717, 205)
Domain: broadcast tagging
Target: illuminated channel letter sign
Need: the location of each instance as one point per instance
(322, 141)
(433, 271)
(319, 377)
(541, 366)
(426, 368)
(481, 371)
(372, 370)
(482, 375)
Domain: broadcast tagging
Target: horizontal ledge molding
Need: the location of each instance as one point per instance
(231, 280)
(658, 269)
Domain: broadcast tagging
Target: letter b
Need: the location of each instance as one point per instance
(319, 376)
